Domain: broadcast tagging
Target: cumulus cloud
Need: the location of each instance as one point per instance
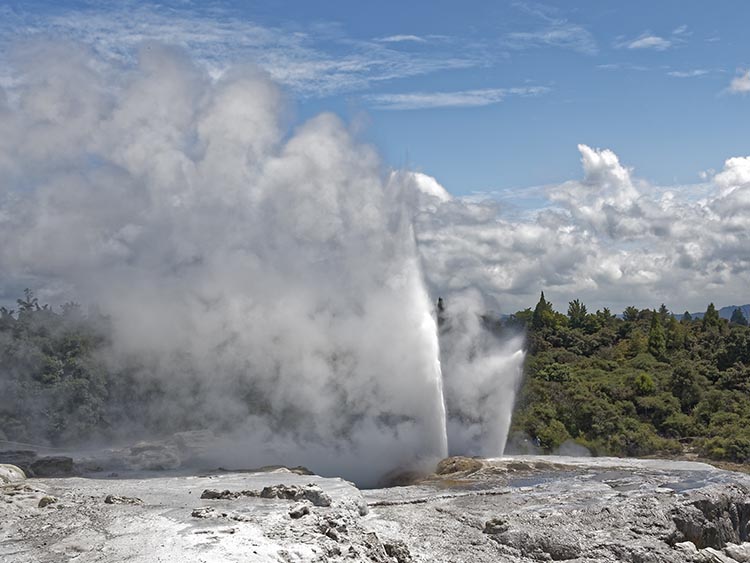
(609, 238)
(740, 84)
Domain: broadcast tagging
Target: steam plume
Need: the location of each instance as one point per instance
(267, 280)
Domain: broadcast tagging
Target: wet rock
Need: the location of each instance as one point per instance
(398, 550)
(10, 474)
(458, 464)
(46, 501)
(116, 499)
(299, 510)
(53, 466)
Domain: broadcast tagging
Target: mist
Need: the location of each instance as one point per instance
(265, 280)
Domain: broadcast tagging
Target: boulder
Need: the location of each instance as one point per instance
(310, 492)
(458, 464)
(738, 552)
(19, 458)
(53, 466)
(299, 510)
(46, 501)
(398, 550)
(10, 474)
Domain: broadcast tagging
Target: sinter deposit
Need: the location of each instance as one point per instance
(518, 509)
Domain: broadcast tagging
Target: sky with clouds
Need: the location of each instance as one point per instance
(594, 150)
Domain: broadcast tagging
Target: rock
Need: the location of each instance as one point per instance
(398, 550)
(212, 494)
(206, 512)
(686, 547)
(115, 499)
(495, 526)
(737, 552)
(310, 492)
(458, 464)
(316, 495)
(299, 510)
(711, 555)
(53, 466)
(20, 458)
(11, 474)
(46, 501)
(153, 457)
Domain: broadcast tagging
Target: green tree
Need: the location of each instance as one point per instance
(686, 318)
(544, 315)
(663, 314)
(577, 314)
(738, 318)
(711, 317)
(657, 341)
(630, 314)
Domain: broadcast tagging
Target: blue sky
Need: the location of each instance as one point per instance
(485, 96)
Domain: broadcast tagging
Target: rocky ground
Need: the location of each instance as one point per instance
(517, 509)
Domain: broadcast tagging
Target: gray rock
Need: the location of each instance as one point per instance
(46, 501)
(737, 552)
(711, 555)
(116, 499)
(299, 510)
(11, 474)
(310, 492)
(398, 550)
(53, 466)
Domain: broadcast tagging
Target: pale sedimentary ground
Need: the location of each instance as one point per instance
(510, 509)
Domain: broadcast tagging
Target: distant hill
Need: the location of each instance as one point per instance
(724, 312)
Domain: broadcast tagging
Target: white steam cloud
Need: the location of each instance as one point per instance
(269, 281)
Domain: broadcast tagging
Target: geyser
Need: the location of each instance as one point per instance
(481, 372)
(261, 283)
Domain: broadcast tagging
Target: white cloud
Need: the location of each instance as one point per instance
(464, 98)
(296, 58)
(402, 39)
(647, 41)
(688, 73)
(740, 84)
(610, 239)
(559, 33)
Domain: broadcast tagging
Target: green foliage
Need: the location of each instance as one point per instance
(711, 317)
(657, 341)
(637, 385)
(738, 318)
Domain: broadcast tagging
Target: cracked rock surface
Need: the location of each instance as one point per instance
(519, 509)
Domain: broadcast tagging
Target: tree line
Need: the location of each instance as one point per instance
(643, 383)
